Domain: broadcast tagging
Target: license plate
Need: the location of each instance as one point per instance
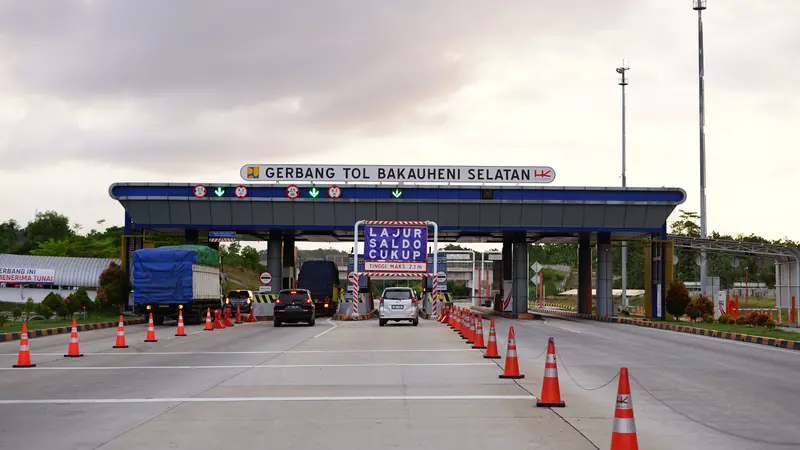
(397, 306)
(164, 306)
(292, 307)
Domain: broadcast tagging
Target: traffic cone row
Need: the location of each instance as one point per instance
(470, 327)
(181, 331)
(227, 318)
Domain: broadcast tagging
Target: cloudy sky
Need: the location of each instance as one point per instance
(97, 91)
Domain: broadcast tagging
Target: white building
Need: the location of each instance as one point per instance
(49, 274)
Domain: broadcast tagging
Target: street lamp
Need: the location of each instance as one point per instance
(700, 6)
(623, 81)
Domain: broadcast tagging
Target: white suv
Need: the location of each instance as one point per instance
(398, 303)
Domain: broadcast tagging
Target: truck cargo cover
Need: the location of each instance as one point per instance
(206, 256)
(163, 275)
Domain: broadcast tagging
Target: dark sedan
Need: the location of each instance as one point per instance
(294, 306)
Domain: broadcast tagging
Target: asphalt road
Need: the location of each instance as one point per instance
(358, 386)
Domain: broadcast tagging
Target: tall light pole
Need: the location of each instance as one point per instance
(623, 81)
(700, 6)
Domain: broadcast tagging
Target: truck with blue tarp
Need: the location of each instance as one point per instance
(321, 278)
(185, 278)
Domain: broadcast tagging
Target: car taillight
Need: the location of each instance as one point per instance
(278, 301)
(381, 301)
(308, 301)
(249, 299)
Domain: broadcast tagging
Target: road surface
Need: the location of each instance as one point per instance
(355, 386)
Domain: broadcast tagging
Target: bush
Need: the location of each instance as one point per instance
(761, 320)
(16, 313)
(55, 303)
(770, 324)
(3, 320)
(724, 319)
(624, 313)
(708, 318)
(677, 298)
(80, 299)
(741, 321)
(30, 306)
(752, 318)
(115, 284)
(44, 310)
(700, 307)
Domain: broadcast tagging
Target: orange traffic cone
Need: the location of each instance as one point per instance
(209, 325)
(451, 313)
(623, 435)
(227, 320)
(239, 314)
(491, 351)
(181, 331)
(551, 393)
(465, 326)
(74, 350)
(121, 335)
(471, 332)
(457, 322)
(252, 317)
(512, 363)
(479, 333)
(218, 325)
(24, 359)
(151, 331)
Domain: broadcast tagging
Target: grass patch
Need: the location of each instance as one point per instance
(744, 329)
(96, 317)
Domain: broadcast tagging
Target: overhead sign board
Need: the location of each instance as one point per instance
(27, 275)
(398, 174)
(395, 248)
(221, 234)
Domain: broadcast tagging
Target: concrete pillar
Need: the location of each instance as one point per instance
(584, 274)
(520, 278)
(274, 266)
(289, 275)
(507, 287)
(191, 237)
(605, 297)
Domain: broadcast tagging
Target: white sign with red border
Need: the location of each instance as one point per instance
(292, 192)
(240, 191)
(200, 191)
(27, 275)
(334, 192)
(395, 266)
(265, 278)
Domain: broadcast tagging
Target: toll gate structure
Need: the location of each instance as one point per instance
(513, 216)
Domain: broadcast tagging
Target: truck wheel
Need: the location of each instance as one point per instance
(158, 321)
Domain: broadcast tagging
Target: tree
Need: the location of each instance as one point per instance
(251, 259)
(115, 284)
(677, 298)
(10, 234)
(47, 225)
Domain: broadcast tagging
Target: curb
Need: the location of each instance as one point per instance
(6, 337)
(366, 316)
(760, 340)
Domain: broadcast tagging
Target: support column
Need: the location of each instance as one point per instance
(506, 289)
(519, 303)
(289, 262)
(191, 237)
(584, 274)
(274, 266)
(605, 297)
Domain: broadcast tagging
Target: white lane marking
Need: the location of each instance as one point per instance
(74, 401)
(561, 328)
(264, 352)
(262, 366)
(333, 327)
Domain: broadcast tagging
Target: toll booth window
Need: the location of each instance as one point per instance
(397, 295)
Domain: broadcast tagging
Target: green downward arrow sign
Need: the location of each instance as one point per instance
(397, 193)
(219, 192)
(314, 192)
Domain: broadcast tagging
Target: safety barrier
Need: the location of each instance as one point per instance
(264, 298)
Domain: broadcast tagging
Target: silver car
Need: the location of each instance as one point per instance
(398, 303)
